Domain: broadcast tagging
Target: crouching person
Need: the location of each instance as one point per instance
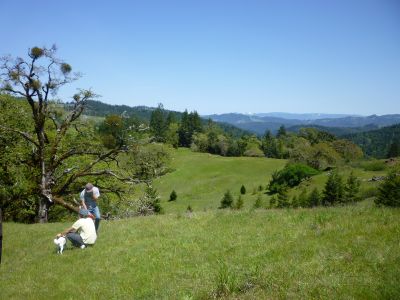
(83, 231)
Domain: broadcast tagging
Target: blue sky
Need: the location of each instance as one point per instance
(222, 56)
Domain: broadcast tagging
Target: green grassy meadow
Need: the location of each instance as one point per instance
(325, 253)
(201, 179)
(350, 252)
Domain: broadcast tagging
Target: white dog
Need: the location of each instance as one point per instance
(60, 241)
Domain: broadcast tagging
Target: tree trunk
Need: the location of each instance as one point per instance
(43, 209)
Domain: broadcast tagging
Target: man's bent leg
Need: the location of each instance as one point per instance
(75, 239)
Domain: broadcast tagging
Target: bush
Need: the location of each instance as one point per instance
(243, 190)
(227, 200)
(290, 176)
(374, 165)
(239, 202)
(334, 190)
(173, 196)
(389, 189)
(258, 202)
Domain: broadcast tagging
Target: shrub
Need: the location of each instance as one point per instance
(314, 199)
(352, 189)
(239, 202)
(173, 196)
(227, 200)
(334, 190)
(290, 176)
(243, 190)
(389, 189)
(258, 202)
(374, 165)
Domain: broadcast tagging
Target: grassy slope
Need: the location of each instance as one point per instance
(201, 180)
(335, 253)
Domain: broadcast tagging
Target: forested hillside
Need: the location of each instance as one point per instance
(380, 143)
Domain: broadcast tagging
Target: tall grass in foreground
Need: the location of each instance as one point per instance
(324, 253)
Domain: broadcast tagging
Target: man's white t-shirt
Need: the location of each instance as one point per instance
(85, 228)
(96, 193)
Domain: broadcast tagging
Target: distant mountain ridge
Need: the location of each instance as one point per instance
(259, 123)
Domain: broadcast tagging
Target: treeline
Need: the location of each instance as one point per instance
(380, 143)
(315, 148)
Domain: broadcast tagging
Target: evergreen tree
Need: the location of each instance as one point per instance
(173, 196)
(283, 199)
(389, 189)
(394, 150)
(153, 199)
(314, 199)
(158, 124)
(334, 191)
(352, 189)
(303, 200)
(272, 202)
(258, 202)
(239, 202)
(243, 190)
(227, 200)
(281, 131)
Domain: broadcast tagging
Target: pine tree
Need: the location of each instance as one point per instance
(352, 189)
(227, 200)
(283, 199)
(389, 189)
(314, 199)
(258, 202)
(394, 150)
(173, 196)
(272, 202)
(239, 202)
(334, 191)
(153, 199)
(303, 200)
(281, 131)
(243, 190)
(158, 124)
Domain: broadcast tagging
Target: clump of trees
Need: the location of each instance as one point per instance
(290, 176)
(335, 192)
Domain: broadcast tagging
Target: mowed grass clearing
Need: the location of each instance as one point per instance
(324, 253)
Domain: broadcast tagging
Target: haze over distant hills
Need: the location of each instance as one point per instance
(260, 122)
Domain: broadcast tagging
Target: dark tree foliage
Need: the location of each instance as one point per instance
(389, 190)
(158, 123)
(227, 200)
(376, 143)
(314, 199)
(239, 202)
(352, 189)
(173, 196)
(242, 190)
(290, 176)
(394, 149)
(281, 131)
(334, 190)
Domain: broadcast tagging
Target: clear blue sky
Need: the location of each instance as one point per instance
(222, 56)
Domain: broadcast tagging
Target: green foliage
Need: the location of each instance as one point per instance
(314, 199)
(153, 199)
(158, 124)
(376, 143)
(389, 190)
(239, 202)
(173, 196)
(352, 189)
(282, 199)
(65, 68)
(334, 189)
(374, 165)
(394, 149)
(258, 202)
(227, 200)
(242, 190)
(290, 176)
(303, 199)
(36, 52)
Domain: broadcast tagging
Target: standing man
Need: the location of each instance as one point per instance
(89, 198)
(82, 232)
